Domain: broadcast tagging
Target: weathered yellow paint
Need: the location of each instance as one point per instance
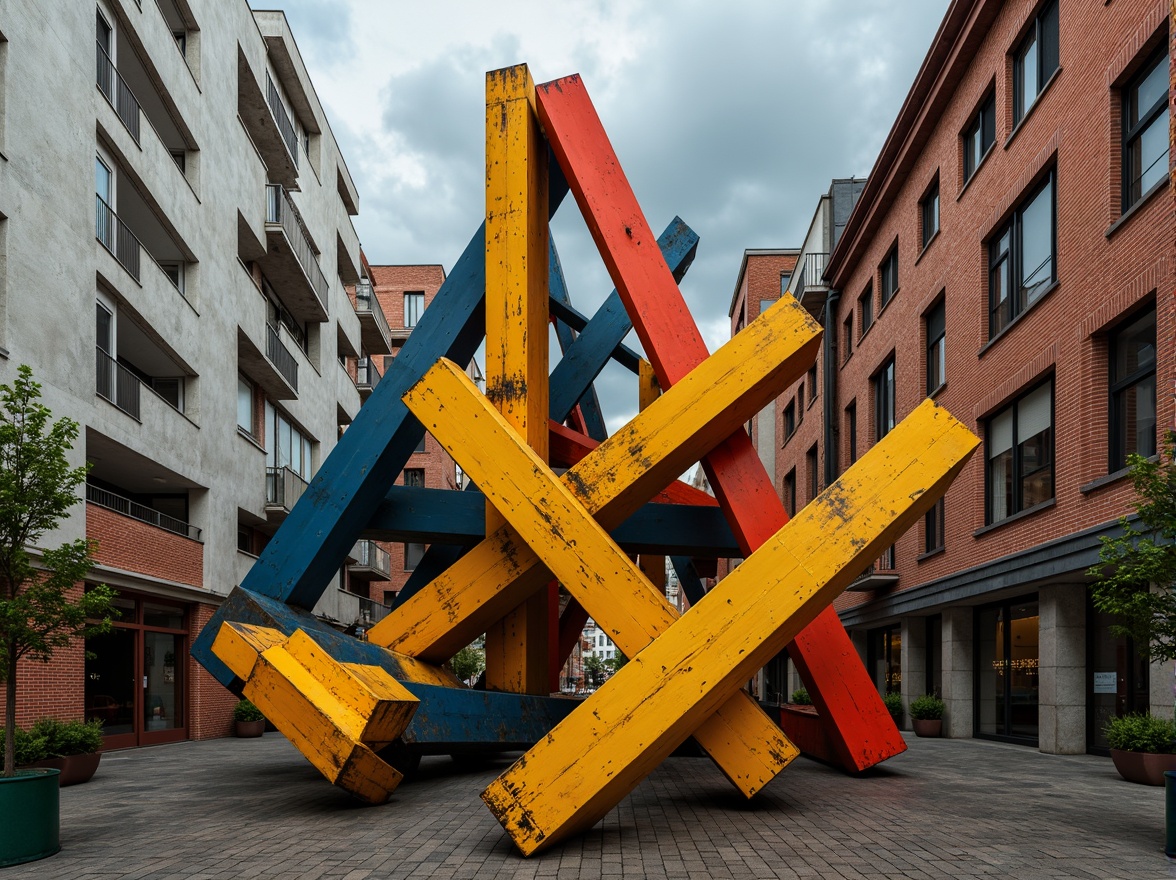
(614, 479)
(336, 714)
(747, 745)
(648, 390)
(591, 760)
(516, 336)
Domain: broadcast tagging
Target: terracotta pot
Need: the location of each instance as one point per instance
(75, 769)
(1146, 768)
(250, 728)
(927, 726)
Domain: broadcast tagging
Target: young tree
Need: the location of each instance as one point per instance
(1144, 555)
(594, 670)
(468, 663)
(37, 488)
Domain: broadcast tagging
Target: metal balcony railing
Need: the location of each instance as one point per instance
(366, 374)
(117, 384)
(141, 512)
(281, 117)
(814, 268)
(371, 612)
(365, 302)
(118, 93)
(283, 487)
(279, 209)
(117, 237)
(371, 555)
(280, 356)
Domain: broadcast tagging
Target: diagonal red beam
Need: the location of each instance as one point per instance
(850, 707)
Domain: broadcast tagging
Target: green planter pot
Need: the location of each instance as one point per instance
(29, 803)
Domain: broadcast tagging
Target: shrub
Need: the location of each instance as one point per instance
(893, 703)
(246, 711)
(801, 697)
(927, 708)
(64, 738)
(1142, 733)
(29, 747)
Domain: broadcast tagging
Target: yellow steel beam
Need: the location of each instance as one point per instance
(614, 479)
(517, 646)
(591, 760)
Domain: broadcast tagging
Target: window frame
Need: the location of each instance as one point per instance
(866, 305)
(812, 460)
(418, 477)
(1133, 134)
(926, 231)
(983, 116)
(851, 429)
(1013, 255)
(936, 349)
(413, 315)
(1017, 473)
(788, 492)
(888, 277)
(885, 386)
(934, 526)
(1023, 103)
(789, 419)
(847, 326)
(1117, 387)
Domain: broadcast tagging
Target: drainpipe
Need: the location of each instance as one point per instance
(832, 447)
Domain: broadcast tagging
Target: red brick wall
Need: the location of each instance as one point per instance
(210, 704)
(1074, 127)
(54, 689)
(131, 545)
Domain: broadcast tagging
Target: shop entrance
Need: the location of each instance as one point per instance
(1117, 681)
(1007, 671)
(135, 674)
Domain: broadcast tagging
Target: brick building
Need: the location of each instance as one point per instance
(1011, 256)
(176, 238)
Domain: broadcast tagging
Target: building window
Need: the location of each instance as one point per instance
(788, 492)
(800, 403)
(1021, 264)
(929, 213)
(246, 407)
(1133, 390)
(933, 528)
(936, 350)
(979, 136)
(414, 305)
(286, 446)
(812, 384)
(420, 447)
(1035, 60)
(789, 419)
(1020, 454)
(851, 429)
(413, 553)
(414, 477)
(848, 328)
(888, 276)
(1145, 130)
(866, 304)
(884, 401)
(814, 484)
(785, 280)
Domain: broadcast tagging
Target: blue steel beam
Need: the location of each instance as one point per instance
(589, 402)
(688, 578)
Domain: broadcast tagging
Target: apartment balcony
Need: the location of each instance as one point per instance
(263, 355)
(283, 488)
(270, 129)
(879, 576)
(140, 512)
(367, 377)
(118, 385)
(810, 288)
(118, 93)
(291, 262)
(372, 562)
(371, 612)
(373, 326)
(278, 355)
(116, 237)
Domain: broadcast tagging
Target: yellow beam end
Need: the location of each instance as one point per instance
(238, 645)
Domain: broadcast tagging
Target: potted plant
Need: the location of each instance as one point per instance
(801, 697)
(42, 606)
(927, 715)
(72, 747)
(893, 703)
(248, 719)
(1142, 747)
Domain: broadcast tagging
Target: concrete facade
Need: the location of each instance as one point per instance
(193, 318)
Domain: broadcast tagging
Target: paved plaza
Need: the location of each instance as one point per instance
(946, 808)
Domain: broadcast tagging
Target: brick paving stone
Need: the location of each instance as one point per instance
(944, 809)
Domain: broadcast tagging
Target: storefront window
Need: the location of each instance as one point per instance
(1117, 678)
(1007, 670)
(885, 658)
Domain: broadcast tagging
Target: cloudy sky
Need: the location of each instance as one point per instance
(734, 116)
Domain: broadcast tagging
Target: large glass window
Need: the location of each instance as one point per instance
(1020, 454)
(936, 348)
(246, 414)
(1021, 264)
(1006, 670)
(933, 528)
(789, 419)
(888, 276)
(414, 307)
(1035, 60)
(884, 401)
(929, 213)
(1145, 130)
(866, 304)
(1133, 389)
(285, 445)
(884, 652)
(979, 136)
(1117, 683)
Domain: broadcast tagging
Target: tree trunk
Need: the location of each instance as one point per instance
(10, 715)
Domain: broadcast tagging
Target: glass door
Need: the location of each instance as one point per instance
(1007, 671)
(1117, 681)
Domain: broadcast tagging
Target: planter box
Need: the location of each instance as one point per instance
(74, 769)
(802, 725)
(927, 726)
(31, 828)
(249, 728)
(1146, 768)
